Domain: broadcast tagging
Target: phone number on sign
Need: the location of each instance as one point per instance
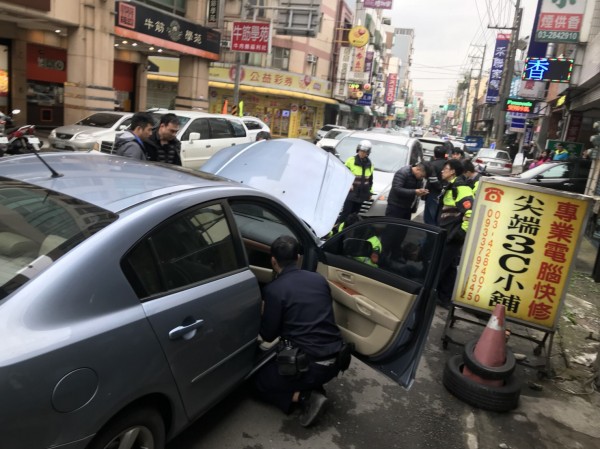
(555, 35)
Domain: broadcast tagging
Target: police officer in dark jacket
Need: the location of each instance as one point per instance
(298, 309)
(163, 145)
(434, 185)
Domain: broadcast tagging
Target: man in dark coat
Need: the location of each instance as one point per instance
(434, 185)
(163, 145)
(407, 189)
(131, 142)
(298, 308)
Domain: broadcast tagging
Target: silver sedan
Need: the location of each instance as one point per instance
(496, 162)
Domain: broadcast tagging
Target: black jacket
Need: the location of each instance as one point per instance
(403, 189)
(435, 183)
(169, 152)
(298, 307)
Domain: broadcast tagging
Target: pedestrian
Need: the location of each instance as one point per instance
(544, 157)
(163, 145)
(456, 201)
(263, 135)
(471, 176)
(407, 189)
(458, 154)
(297, 308)
(434, 185)
(131, 142)
(362, 168)
(560, 153)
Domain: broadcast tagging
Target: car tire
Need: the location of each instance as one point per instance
(492, 373)
(487, 397)
(144, 427)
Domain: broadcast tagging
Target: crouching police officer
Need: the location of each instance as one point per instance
(298, 308)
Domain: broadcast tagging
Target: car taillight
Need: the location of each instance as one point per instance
(479, 161)
(509, 165)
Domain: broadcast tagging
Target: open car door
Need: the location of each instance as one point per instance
(382, 273)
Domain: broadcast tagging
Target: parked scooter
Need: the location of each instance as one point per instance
(21, 140)
(6, 125)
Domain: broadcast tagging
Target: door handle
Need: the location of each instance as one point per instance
(180, 331)
(208, 146)
(346, 277)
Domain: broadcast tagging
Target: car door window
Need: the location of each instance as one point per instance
(220, 128)
(238, 128)
(188, 249)
(252, 125)
(200, 125)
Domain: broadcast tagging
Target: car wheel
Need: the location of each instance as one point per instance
(140, 428)
(491, 373)
(487, 397)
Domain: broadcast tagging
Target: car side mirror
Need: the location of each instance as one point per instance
(194, 136)
(538, 177)
(15, 111)
(357, 248)
(122, 127)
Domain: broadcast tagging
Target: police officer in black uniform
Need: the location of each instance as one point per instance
(298, 309)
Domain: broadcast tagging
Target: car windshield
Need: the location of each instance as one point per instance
(37, 227)
(336, 134)
(100, 120)
(487, 152)
(385, 156)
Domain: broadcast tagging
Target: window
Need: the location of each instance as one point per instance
(313, 68)
(238, 129)
(199, 125)
(220, 128)
(172, 6)
(559, 171)
(281, 58)
(189, 249)
(250, 124)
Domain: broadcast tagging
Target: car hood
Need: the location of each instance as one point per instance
(77, 129)
(310, 181)
(382, 181)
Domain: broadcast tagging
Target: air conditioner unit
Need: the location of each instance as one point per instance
(225, 43)
(311, 59)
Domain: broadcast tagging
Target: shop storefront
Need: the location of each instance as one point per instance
(293, 105)
(4, 78)
(46, 74)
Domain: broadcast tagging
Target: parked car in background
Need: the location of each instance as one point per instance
(203, 134)
(330, 140)
(389, 153)
(496, 162)
(130, 293)
(254, 126)
(96, 131)
(321, 133)
(429, 144)
(568, 176)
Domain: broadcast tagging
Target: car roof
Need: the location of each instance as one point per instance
(401, 139)
(192, 114)
(111, 182)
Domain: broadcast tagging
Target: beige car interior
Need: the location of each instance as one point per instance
(369, 313)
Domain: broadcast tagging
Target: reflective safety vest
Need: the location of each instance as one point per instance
(457, 201)
(372, 260)
(363, 177)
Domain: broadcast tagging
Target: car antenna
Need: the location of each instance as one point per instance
(55, 174)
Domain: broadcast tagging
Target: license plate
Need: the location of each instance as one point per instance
(3, 139)
(59, 145)
(33, 140)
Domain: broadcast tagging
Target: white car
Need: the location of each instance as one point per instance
(255, 125)
(332, 138)
(321, 133)
(203, 134)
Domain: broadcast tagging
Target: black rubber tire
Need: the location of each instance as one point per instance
(146, 421)
(495, 399)
(491, 373)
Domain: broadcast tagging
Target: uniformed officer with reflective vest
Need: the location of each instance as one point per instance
(362, 168)
(456, 201)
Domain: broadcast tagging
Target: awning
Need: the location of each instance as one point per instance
(342, 107)
(272, 91)
(364, 110)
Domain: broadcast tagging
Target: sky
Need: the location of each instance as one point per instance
(444, 33)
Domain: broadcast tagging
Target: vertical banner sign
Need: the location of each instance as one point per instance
(212, 15)
(369, 62)
(378, 4)
(360, 54)
(500, 52)
(390, 88)
(519, 250)
(250, 37)
(343, 68)
(560, 21)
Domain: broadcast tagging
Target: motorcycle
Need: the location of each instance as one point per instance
(21, 140)
(6, 123)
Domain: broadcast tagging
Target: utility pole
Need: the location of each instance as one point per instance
(474, 108)
(507, 76)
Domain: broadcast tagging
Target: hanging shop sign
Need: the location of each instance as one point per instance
(212, 13)
(560, 21)
(390, 88)
(139, 22)
(519, 251)
(378, 4)
(252, 37)
(519, 105)
(358, 36)
(493, 91)
(555, 70)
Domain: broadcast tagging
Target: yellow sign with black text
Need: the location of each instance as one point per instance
(519, 249)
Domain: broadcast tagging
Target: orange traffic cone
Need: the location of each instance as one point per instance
(490, 349)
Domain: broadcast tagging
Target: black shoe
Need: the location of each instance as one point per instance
(312, 408)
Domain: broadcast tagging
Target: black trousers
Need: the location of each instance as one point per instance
(276, 389)
(448, 271)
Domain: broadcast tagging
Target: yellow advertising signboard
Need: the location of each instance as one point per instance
(358, 36)
(519, 249)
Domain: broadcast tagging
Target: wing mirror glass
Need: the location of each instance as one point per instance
(194, 136)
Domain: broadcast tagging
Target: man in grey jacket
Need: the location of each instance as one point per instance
(131, 142)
